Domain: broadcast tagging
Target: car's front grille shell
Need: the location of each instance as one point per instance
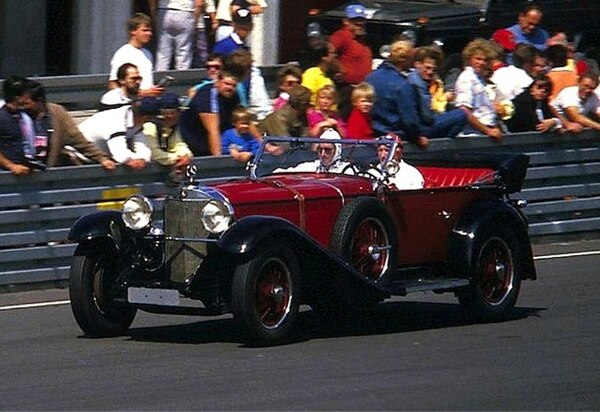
(182, 220)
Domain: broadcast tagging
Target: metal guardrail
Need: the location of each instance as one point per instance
(36, 211)
(83, 92)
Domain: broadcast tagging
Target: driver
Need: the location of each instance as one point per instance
(404, 176)
(329, 156)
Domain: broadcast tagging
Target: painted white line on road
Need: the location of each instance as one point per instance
(36, 305)
(66, 302)
(567, 255)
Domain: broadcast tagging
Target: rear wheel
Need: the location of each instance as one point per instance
(93, 290)
(266, 295)
(495, 279)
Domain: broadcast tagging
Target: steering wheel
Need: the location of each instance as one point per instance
(358, 169)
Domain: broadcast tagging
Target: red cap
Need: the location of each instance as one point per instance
(505, 39)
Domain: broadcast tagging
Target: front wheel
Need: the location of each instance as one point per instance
(495, 277)
(266, 295)
(92, 290)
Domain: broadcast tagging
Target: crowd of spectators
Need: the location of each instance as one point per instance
(522, 79)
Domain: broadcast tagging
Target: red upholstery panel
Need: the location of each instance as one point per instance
(451, 176)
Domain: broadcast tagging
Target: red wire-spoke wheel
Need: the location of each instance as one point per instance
(369, 248)
(495, 271)
(273, 293)
(495, 275)
(365, 237)
(265, 294)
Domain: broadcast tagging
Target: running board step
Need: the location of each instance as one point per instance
(404, 287)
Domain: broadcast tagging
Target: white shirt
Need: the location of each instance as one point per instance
(113, 131)
(115, 96)
(314, 166)
(407, 177)
(569, 97)
(142, 58)
(510, 81)
(471, 93)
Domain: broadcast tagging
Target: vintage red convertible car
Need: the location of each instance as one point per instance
(260, 247)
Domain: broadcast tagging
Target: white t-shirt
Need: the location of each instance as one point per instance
(142, 58)
(569, 97)
(510, 81)
(109, 131)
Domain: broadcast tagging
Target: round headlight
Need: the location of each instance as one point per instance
(137, 212)
(216, 217)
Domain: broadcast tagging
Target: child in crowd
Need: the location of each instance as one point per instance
(358, 123)
(238, 141)
(532, 111)
(323, 114)
(289, 76)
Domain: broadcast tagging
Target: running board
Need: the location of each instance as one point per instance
(404, 287)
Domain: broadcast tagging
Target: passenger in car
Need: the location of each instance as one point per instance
(402, 175)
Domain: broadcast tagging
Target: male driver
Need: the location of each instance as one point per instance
(527, 29)
(134, 52)
(209, 115)
(129, 80)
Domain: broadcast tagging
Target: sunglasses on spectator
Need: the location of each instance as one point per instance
(214, 66)
(291, 82)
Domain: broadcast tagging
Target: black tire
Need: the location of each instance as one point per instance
(265, 295)
(495, 275)
(92, 293)
(364, 236)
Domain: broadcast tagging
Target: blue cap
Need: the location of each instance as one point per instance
(169, 101)
(147, 106)
(356, 11)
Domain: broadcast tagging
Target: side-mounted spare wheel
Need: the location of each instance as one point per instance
(494, 274)
(93, 290)
(265, 295)
(364, 236)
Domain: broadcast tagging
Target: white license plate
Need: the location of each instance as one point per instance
(149, 296)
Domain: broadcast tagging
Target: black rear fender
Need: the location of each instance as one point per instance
(479, 215)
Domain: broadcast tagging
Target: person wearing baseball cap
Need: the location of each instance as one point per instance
(163, 135)
(355, 56)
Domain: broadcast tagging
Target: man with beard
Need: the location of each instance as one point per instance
(129, 80)
(55, 130)
(209, 115)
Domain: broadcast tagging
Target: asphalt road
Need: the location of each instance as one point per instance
(417, 353)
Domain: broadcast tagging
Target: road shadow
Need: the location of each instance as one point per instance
(385, 318)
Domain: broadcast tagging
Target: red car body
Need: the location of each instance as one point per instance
(261, 246)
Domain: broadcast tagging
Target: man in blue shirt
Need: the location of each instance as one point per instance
(209, 114)
(14, 126)
(242, 27)
(527, 30)
(396, 107)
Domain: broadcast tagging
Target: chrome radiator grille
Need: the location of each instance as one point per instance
(182, 220)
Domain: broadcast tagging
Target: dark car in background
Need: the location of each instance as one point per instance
(452, 23)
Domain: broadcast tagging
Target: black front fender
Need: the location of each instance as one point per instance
(105, 226)
(462, 241)
(250, 231)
